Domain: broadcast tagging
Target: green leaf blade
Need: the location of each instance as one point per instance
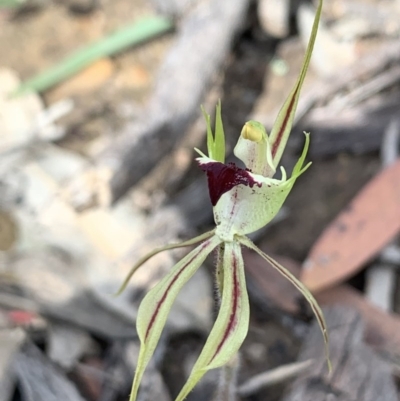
(131, 35)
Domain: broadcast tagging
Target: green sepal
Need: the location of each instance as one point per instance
(299, 167)
(230, 328)
(153, 310)
(301, 287)
(283, 124)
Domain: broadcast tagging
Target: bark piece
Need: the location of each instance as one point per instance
(39, 379)
(352, 117)
(362, 70)
(358, 374)
(358, 129)
(10, 342)
(382, 329)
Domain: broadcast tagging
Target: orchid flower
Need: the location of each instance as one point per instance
(243, 200)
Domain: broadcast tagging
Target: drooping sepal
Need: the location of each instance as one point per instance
(154, 252)
(154, 309)
(301, 287)
(283, 124)
(231, 326)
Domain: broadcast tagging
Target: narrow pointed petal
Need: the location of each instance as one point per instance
(283, 124)
(154, 252)
(301, 287)
(219, 141)
(210, 136)
(216, 142)
(299, 167)
(231, 326)
(153, 310)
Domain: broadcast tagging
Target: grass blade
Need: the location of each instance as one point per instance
(132, 35)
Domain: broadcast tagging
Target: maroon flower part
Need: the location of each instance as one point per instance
(223, 177)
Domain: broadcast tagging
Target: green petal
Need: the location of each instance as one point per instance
(215, 143)
(299, 167)
(301, 287)
(283, 124)
(210, 136)
(219, 142)
(231, 326)
(148, 256)
(154, 309)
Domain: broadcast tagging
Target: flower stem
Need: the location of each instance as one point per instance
(227, 383)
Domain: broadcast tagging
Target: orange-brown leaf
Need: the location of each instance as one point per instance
(360, 231)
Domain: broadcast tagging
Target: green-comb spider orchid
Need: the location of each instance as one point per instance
(244, 200)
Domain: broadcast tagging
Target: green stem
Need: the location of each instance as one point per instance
(227, 384)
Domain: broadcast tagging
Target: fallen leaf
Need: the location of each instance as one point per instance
(357, 234)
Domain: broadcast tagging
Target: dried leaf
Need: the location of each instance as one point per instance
(360, 231)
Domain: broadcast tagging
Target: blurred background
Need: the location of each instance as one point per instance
(99, 114)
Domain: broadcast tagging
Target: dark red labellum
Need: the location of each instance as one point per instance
(223, 177)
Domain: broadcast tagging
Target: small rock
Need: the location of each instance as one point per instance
(10, 342)
(67, 344)
(274, 16)
(17, 115)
